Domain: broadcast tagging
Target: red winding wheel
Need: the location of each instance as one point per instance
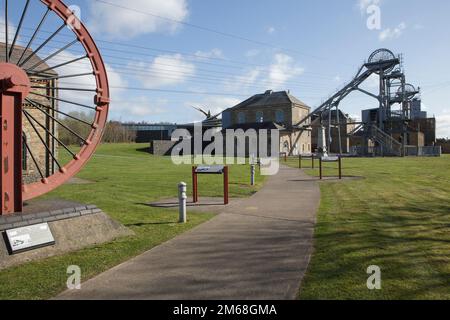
(54, 99)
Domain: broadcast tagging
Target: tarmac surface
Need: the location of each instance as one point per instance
(255, 249)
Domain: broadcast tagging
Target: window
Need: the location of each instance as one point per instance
(279, 116)
(259, 117)
(241, 117)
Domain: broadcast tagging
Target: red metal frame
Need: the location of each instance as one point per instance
(300, 159)
(14, 88)
(225, 174)
(339, 161)
(13, 95)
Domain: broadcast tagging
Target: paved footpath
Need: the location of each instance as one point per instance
(259, 248)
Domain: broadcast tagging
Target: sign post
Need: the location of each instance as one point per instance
(337, 159)
(217, 170)
(300, 160)
(252, 174)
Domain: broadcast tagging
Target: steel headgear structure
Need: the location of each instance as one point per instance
(393, 90)
(24, 76)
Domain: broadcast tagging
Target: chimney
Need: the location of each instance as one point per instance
(268, 92)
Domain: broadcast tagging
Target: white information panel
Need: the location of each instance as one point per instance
(210, 169)
(31, 237)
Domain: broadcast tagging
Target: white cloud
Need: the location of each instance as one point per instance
(271, 30)
(244, 81)
(364, 4)
(443, 125)
(214, 53)
(283, 69)
(165, 70)
(11, 31)
(139, 107)
(121, 23)
(215, 104)
(252, 53)
(395, 33)
(274, 76)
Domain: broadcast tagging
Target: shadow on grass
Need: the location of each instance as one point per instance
(142, 224)
(409, 243)
(144, 150)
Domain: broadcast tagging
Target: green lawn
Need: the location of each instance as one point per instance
(126, 178)
(397, 218)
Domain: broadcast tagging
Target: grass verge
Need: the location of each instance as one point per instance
(397, 218)
(125, 178)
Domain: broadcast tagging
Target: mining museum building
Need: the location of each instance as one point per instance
(273, 110)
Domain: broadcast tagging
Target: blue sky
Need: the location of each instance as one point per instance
(233, 49)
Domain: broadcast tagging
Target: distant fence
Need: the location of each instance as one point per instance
(445, 147)
(409, 151)
(412, 151)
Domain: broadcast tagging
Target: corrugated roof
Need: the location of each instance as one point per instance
(17, 53)
(269, 99)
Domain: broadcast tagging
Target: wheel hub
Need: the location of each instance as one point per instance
(13, 79)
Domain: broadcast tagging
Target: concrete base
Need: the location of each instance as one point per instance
(72, 228)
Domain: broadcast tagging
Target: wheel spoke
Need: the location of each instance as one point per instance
(57, 121)
(6, 32)
(34, 35)
(59, 65)
(51, 134)
(65, 89)
(32, 54)
(63, 77)
(33, 157)
(42, 140)
(19, 27)
(63, 113)
(62, 100)
(51, 56)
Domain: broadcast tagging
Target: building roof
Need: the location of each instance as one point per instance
(17, 53)
(208, 124)
(270, 99)
(258, 126)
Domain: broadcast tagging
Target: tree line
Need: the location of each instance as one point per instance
(78, 122)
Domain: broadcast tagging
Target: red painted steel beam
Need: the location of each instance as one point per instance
(14, 87)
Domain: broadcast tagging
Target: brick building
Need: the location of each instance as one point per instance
(273, 110)
(343, 123)
(31, 135)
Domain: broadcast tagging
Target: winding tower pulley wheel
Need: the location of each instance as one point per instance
(383, 58)
(409, 92)
(54, 98)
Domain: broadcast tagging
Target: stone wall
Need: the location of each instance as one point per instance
(162, 147)
(72, 229)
